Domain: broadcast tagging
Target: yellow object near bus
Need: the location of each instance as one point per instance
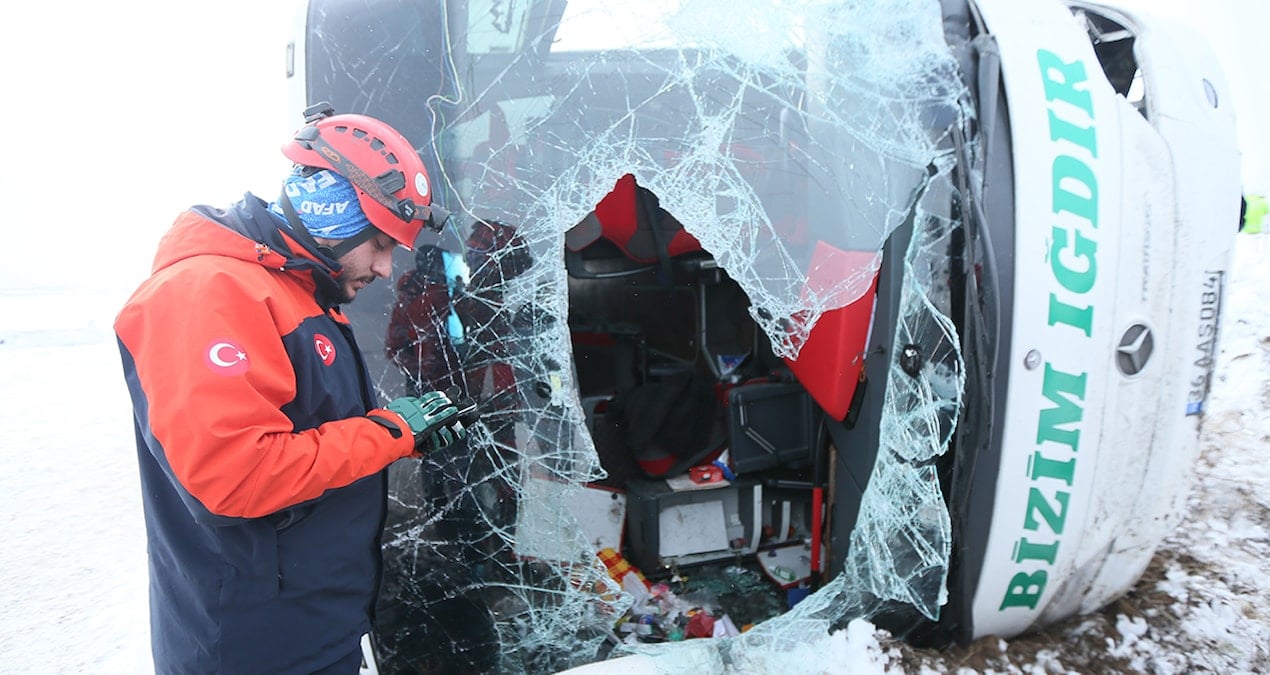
(1254, 214)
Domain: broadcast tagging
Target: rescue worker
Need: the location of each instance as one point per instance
(262, 447)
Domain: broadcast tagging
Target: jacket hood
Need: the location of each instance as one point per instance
(248, 231)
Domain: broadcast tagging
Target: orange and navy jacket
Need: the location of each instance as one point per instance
(263, 479)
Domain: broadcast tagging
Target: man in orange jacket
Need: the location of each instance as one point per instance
(262, 447)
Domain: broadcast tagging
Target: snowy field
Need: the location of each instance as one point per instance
(73, 563)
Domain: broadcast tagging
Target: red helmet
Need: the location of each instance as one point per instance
(391, 181)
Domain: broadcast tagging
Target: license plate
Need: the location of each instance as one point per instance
(1205, 351)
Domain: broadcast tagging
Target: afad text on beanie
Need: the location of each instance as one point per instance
(326, 203)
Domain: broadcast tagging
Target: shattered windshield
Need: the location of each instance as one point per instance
(655, 206)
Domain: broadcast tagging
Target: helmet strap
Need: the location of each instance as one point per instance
(352, 242)
(301, 232)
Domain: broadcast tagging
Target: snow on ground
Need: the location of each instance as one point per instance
(73, 569)
(72, 557)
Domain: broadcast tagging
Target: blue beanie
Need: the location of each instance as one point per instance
(326, 203)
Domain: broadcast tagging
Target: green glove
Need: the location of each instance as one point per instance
(433, 419)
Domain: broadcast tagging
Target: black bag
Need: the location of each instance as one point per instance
(670, 424)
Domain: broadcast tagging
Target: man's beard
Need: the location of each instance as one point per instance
(343, 281)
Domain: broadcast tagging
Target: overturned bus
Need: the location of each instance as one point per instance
(902, 310)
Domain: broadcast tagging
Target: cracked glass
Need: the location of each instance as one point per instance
(655, 206)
